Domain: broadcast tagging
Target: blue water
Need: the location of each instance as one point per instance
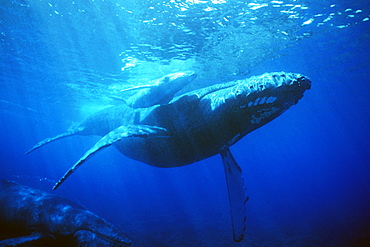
(307, 173)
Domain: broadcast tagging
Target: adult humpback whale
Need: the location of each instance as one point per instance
(30, 217)
(194, 126)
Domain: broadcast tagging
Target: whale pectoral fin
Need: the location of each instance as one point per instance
(117, 100)
(237, 197)
(129, 131)
(137, 88)
(48, 140)
(24, 239)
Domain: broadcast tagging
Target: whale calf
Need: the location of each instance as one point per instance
(31, 217)
(161, 92)
(193, 126)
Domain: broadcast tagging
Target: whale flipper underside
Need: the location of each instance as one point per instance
(129, 131)
(237, 197)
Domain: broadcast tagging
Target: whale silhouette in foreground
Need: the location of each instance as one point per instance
(31, 217)
(193, 126)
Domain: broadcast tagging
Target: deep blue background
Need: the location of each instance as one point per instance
(307, 173)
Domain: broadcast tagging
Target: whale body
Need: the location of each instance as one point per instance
(193, 126)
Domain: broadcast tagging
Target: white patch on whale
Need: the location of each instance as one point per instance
(263, 114)
(271, 100)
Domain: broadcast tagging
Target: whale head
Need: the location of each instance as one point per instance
(266, 97)
(251, 103)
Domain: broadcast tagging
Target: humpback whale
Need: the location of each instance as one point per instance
(161, 92)
(31, 217)
(192, 126)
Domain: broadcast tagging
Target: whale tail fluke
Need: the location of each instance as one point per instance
(70, 132)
